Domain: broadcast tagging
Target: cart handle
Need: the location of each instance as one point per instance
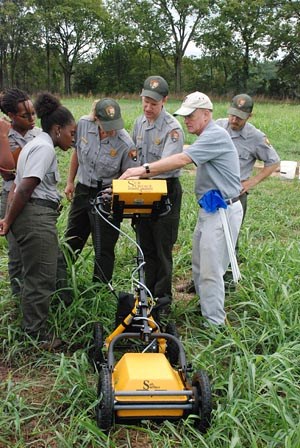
(110, 354)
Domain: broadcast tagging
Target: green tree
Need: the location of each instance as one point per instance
(164, 26)
(71, 28)
(285, 46)
(236, 35)
(16, 30)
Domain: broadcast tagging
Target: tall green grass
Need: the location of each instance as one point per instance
(48, 399)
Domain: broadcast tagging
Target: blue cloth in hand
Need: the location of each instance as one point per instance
(212, 200)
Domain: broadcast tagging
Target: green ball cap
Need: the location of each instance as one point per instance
(108, 113)
(241, 106)
(155, 87)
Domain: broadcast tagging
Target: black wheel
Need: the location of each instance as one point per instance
(203, 400)
(172, 349)
(104, 409)
(97, 354)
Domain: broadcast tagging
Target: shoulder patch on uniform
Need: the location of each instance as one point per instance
(267, 141)
(133, 154)
(174, 136)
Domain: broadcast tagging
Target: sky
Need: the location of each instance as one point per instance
(192, 50)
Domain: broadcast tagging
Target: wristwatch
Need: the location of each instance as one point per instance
(147, 168)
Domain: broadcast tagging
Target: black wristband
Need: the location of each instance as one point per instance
(147, 168)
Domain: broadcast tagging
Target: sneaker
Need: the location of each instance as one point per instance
(187, 287)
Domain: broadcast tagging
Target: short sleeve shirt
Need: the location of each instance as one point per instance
(38, 159)
(155, 141)
(102, 159)
(17, 141)
(252, 145)
(217, 162)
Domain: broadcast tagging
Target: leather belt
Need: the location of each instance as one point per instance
(232, 201)
(87, 189)
(45, 203)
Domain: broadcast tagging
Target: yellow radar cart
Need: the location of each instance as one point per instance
(151, 380)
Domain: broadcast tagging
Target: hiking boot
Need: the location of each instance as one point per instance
(187, 287)
(162, 308)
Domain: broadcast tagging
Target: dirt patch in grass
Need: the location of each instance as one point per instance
(37, 432)
(136, 438)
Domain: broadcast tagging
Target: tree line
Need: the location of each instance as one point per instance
(110, 46)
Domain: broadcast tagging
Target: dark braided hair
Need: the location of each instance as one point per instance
(10, 98)
(51, 112)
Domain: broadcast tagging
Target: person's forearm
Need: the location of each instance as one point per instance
(7, 163)
(19, 198)
(264, 173)
(10, 195)
(170, 163)
(14, 208)
(73, 168)
(155, 168)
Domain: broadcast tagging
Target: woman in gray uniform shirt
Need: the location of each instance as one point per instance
(104, 150)
(32, 214)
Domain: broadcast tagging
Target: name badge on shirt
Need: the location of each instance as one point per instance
(84, 140)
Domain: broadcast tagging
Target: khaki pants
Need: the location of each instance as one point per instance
(211, 259)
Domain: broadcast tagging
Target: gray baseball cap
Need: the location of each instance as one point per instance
(108, 113)
(241, 106)
(155, 87)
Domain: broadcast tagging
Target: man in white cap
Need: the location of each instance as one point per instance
(252, 145)
(217, 185)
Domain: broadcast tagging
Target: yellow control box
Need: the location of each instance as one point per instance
(138, 194)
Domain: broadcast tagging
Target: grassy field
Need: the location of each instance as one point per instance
(48, 399)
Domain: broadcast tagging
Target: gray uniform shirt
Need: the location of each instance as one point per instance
(38, 159)
(157, 140)
(104, 159)
(217, 162)
(252, 145)
(17, 141)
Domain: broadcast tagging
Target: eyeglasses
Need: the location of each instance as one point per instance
(27, 116)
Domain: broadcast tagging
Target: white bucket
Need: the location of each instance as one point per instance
(288, 169)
